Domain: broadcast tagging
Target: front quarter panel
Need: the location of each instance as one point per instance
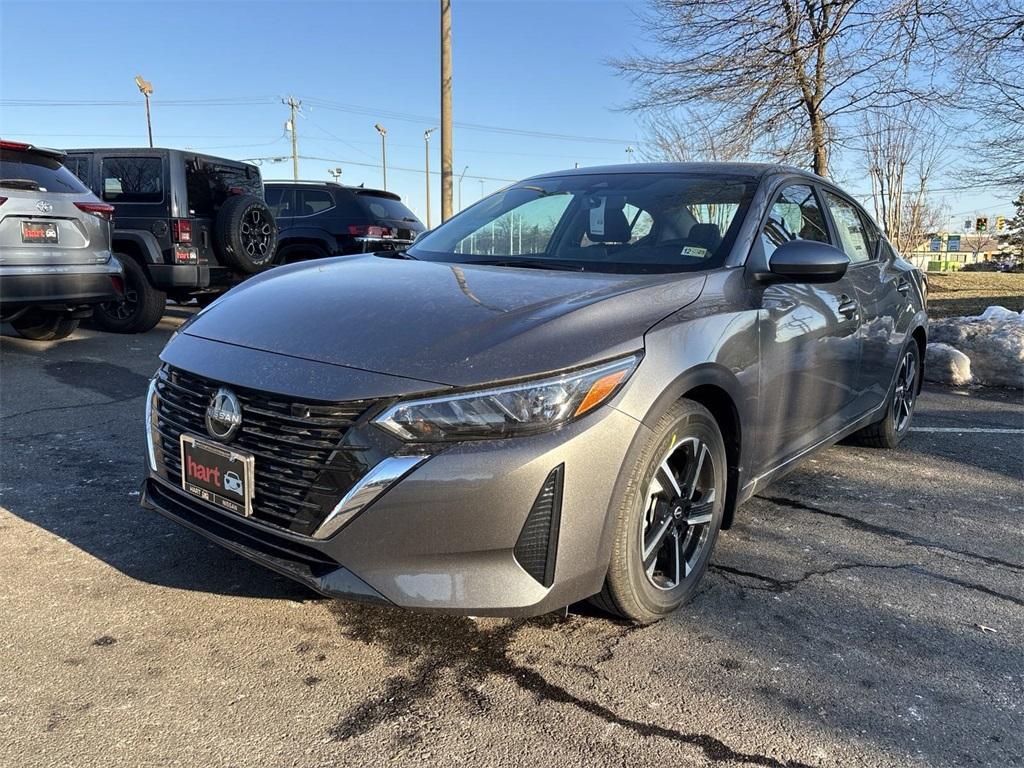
(712, 342)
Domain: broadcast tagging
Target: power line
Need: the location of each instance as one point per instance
(281, 159)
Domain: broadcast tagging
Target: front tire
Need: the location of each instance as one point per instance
(895, 424)
(44, 325)
(140, 309)
(668, 522)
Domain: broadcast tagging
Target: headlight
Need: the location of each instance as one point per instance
(518, 409)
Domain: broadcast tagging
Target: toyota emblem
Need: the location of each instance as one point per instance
(44, 207)
(223, 415)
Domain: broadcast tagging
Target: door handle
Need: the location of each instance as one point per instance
(903, 285)
(847, 306)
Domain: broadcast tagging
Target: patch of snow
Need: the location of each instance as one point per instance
(993, 341)
(946, 365)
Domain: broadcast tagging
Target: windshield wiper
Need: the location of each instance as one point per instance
(559, 266)
(396, 255)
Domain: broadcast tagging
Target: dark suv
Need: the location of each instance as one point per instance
(320, 218)
(185, 225)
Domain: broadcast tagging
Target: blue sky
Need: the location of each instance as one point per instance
(530, 66)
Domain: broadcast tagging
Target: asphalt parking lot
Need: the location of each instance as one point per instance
(868, 610)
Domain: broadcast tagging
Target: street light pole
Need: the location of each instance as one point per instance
(383, 152)
(426, 147)
(461, 177)
(146, 89)
(446, 110)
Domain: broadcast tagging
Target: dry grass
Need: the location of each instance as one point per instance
(969, 293)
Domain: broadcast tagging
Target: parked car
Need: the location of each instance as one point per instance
(563, 392)
(55, 259)
(185, 226)
(319, 218)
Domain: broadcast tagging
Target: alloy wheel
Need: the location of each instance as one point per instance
(906, 392)
(676, 523)
(125, 308)
(256, 234)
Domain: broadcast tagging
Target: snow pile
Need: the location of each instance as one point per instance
(947, 365)
(993, 341)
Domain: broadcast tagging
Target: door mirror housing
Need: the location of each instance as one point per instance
(807, 261)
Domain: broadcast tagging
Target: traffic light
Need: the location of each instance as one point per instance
(1000, 223)
(981, 224)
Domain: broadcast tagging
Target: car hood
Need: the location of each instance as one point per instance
(449, 324)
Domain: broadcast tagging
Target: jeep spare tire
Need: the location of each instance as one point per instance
(245, 234)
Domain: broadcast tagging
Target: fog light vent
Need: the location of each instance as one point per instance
(538, 541)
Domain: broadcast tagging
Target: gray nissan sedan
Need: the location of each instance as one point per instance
(564, 392)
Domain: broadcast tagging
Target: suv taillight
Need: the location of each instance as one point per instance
(3, 200)
(181, 230)
(370, 230)
(103, 210)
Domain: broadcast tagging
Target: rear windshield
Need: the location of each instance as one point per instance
(381, 207)
(623, 222)
(210, 184)
(36, 173)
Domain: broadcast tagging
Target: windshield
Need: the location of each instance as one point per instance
(623, 222)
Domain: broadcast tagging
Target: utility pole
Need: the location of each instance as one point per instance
(446, 110)
(629, 154)
(146, 89)
(383, 152)
(426, 146)
(461, 177)
(294, 106)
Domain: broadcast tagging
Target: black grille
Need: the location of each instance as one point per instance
(302, 465)
(538, 541)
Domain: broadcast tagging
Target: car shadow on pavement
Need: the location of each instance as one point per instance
(859, 640)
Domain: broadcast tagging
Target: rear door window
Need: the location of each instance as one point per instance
(35, 172)
(279, 200)
(853, 236)
(796, 215)
(310, 202)
(133, 179)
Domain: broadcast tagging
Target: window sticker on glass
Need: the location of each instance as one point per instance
(694, 250)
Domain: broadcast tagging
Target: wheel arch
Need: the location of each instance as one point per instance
(718, 389)
(920, 336)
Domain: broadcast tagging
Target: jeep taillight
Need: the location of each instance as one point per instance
(103, 210)
(370, 230)
(181, 230)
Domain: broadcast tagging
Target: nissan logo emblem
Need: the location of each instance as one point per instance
(223, 415)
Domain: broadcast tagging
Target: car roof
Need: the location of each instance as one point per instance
(753, 170)
(332, 184)
(159, 150)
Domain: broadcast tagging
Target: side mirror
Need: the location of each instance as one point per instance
(807, 261)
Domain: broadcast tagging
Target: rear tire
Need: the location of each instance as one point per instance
(44, 325)
(142, 306)
(888, 431)
(666, 526)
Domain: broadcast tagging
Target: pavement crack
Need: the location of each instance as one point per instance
(75, 407)
(436, 646)
(773, 584)
(884, 530)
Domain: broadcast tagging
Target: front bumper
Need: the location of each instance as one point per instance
(444, 537)
(58, 286)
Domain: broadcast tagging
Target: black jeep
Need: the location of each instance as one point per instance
(185, 225)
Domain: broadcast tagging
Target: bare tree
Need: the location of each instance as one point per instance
(683, 136)
(902, 150)
(786, 73)
(990, 45)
